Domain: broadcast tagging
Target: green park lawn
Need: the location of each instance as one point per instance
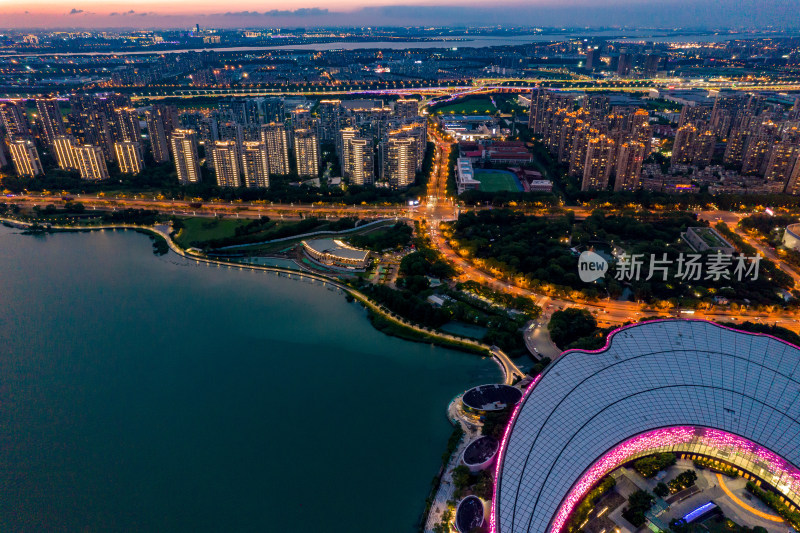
(469, 107)
(205, 229)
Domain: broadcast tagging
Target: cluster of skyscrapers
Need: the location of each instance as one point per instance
(594, 139)
(599, 142)
(97, 130)
(243, 141)
(758, 138)
(288, 135)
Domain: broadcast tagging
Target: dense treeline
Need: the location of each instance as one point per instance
(407, 305)
(397, 236)
(769, 270)
(765, 224)
(575, 328)
(425, 262)
(536, 253)
(776, 331)
(143, 217)
(514, 244)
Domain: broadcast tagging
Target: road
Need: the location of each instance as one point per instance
(607, 312)
(437, 208)
(732, 219)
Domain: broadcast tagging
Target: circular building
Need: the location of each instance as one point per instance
(662, 386)
(480, 453)
(791, 237)
(469, 514)
(489, 398)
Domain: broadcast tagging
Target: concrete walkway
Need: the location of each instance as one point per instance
(750, 509)
(446, 488)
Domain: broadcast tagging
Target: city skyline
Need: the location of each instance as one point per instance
(147, 14)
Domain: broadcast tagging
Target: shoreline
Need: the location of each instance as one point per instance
(398, 327)
(421, 333)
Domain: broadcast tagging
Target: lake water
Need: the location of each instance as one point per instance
(144, 393)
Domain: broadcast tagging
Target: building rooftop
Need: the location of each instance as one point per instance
(492, 397)
(480, 450)
(337, 248)
(655, 386)
(469, 514)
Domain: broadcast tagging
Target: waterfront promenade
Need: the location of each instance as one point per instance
(510, 371)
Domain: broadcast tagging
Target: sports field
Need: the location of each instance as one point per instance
(475, 106)
(497, 180)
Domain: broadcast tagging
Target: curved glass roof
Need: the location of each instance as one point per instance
(652, 375)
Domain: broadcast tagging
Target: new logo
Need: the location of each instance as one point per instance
(591, 266)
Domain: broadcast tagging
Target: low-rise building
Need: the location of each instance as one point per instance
(465, 176)
(334, 252)
(707, 240)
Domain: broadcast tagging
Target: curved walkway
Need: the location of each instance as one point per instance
(743, 505)
(509, 369)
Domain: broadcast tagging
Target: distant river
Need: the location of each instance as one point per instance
(143, 393)
(454, 41)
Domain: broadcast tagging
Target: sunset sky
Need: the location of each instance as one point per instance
(272, 13)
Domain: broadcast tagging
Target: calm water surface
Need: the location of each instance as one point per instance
(140, 393)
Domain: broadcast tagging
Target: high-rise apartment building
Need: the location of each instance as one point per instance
(129, 157)
(758, 146)
(12, 116)
(273, 135)
(273, 110)
(544, 104)
(302, 119)
(255, 164)
(629, 166)
(703, 149)
(361, 162)
(343, 148)
(592, 55)
(126, 125)
(725, 113)
(399, 161)
(64, 150)
(694, 115)
(624, 64)
(599, 163)
(226, 163)
(184, 152)
(793, 184)
(307, 152)
(25, 158)
(91, 162)
(51, 119)
(329, 112)
(580, 144)
(651, 65)
(406, 109)
(598, 106)
(781, 162)
(161, 122)
(682, 147)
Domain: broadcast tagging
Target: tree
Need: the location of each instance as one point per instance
(461, 476)
(484, 487)
(570, 325)
(638, 503)
(679, 525)
(661, 490)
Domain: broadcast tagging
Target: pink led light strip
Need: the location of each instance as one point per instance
(675, 435)
(501, 453)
